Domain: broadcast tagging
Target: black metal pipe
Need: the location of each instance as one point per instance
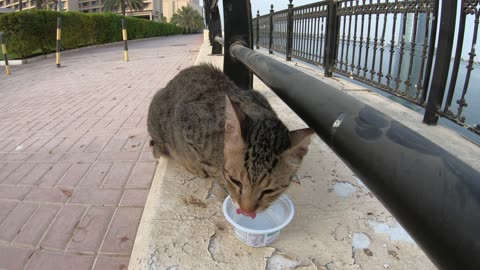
(433, 194)
(220, 40)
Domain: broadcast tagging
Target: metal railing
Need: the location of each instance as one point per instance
(433, 194)
(389, 45)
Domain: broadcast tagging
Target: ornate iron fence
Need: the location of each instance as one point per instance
(388, 44)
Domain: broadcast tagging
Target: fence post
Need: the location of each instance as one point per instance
(59, 40)
(258, 28)
(125, 42)
(270, 43)
(237, 17)
(4, 51)
(442, 62)
(289, 31)
(330, 42)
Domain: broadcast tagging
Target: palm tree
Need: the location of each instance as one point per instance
(188, 18)
(112, 5)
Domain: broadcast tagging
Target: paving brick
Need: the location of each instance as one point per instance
(99, 143)
(82, 144)
(96, 196)
(37, 145)
(5, 208)
(52, 144)
(133, 132)
(111, 263)
(37, 225)
(7, 169)
(14, 222)
(135, 143)
(6, 143)
(16, 156)
(80, 157)
(19, 173)
(67, 143)
(14, 192)
(46, 260)
(89, 233)
(89, 123)
(95, 176)
(54, 175)
(48, 194)
(119, 156)
(14, 258)
(62, 228)
(75, 174)
(116, 123)
(142, 175)
(147, 156)
(122, 231)
(132, 122)
(118, 175)
(48, 115)
(34, 175)
(134, 197)
(45, 157)
(116, 143)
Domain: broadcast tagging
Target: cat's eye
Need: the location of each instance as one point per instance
(266, 192)
(236, 182)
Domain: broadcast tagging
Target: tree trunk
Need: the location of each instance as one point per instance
(38, 4)
(122, 5)
(20, 5)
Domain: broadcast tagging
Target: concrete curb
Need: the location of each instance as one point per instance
(19, 62)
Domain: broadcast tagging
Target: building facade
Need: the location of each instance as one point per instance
(152, 9)
(171, 6)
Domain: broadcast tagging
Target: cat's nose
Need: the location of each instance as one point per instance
(248, 206)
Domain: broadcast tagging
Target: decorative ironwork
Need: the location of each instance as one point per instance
(384, 43)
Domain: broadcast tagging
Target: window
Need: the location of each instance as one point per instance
(95, 10)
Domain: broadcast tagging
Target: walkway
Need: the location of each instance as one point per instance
(75, 166)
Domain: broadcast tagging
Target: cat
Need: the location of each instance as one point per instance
(213, 128)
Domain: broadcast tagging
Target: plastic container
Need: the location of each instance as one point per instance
(265, 227)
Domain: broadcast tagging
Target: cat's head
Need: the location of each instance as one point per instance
(260, 158)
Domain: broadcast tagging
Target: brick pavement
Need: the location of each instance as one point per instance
(75, 166)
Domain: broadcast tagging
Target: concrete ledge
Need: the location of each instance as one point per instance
(338, 224)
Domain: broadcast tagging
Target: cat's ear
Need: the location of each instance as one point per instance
(299, 139)
(234, 116)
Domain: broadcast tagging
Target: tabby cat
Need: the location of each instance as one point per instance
(213, 128)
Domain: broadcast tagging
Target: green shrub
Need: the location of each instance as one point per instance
(32, 31)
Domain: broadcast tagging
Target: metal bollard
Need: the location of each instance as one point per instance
(125, 45)
(4, 51)
(59, 39)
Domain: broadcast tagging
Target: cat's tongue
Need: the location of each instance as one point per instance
(248, 214)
